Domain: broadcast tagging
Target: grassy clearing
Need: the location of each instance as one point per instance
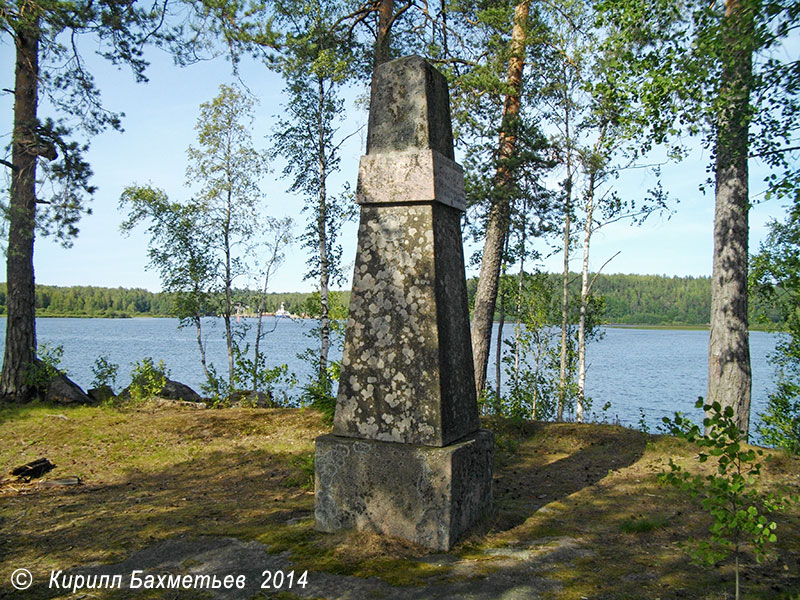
(581, 501)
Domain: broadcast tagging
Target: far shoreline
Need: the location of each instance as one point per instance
(662, 326)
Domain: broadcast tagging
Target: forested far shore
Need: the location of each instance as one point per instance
(102, 302)
(628, 300)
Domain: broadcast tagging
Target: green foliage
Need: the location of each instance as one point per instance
(46, 367)
(318, 390)
(676, 59)
(775, 277)
(532, 359)
(147, 379)
(215, 387)
(780, 424)
(254, 374)
(661, 300)
(738, 510)
(177, 249)
(105, 372)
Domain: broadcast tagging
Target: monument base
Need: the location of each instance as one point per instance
(424, 494)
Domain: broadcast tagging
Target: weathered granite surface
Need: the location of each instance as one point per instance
(421, 493)
(407, 362)
(409, 108)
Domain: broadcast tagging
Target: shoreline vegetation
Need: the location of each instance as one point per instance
(642, 301)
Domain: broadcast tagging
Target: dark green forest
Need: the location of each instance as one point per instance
(91, 301)
(629, 300)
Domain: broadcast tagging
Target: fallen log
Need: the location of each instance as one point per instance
(33, 469)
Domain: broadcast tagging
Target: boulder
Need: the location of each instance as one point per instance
(172, 390)
(100, 394)
(61, 390)
(251, 399)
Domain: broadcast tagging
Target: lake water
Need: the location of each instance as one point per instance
(653, 370)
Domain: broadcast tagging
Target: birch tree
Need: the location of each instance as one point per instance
(317, 60)
(227, 168)
(180, 251)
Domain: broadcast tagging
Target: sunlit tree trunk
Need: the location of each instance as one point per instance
(729, 375)
(587, 236)
(228, 311)
(500, 211)
(199, 329)
(382, 42)
(259, 326)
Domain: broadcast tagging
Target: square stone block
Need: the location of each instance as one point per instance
(409, 177)
(428, 495)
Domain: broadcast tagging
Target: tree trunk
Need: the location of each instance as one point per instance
(322, 225)
(499, 214)
(382, 42)
(20, 348)
(498, 359)
(259, 321)
(562, 376)
(587, 236)
(228, 284)
(199, 328)
(518, 326)
(729, 375)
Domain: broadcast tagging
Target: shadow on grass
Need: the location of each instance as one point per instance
(525, 549)
(541, 463)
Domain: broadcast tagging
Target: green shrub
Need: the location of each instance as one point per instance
(105, 373)
(147, 379)
(46, 367)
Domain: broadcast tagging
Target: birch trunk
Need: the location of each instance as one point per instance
(228, 285)
(587, 235)
(322, 224)
(562, 375)
(199, 329)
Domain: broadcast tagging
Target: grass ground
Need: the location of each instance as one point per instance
(155, 474)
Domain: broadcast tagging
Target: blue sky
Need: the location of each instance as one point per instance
(159, 126)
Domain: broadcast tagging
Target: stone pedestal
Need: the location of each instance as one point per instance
(406, 457)
(430, 495)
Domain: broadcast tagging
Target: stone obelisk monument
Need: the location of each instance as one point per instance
(407, 457)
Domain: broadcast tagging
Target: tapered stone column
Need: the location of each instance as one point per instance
(407, 457)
